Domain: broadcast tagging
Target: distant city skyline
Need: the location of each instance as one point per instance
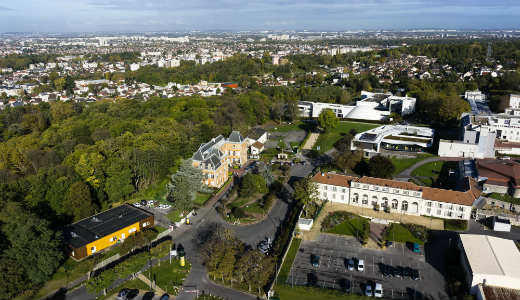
(164, 15)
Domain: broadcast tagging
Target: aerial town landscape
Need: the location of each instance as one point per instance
(249, 158)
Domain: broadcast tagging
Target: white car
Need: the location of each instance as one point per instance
(151, 203)
(378, 290)
(361, 265)
(137, 204)
(368, 291)
(164, 206)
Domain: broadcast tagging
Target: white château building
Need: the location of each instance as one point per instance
(397, 196)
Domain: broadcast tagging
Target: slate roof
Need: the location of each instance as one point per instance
(235, 137)
(105, 223)
(256, 133)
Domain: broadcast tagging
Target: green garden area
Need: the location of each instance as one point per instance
(289, 259)
(429, 173)
(406, 233)
(504, 197)
(169, 276)
(345, 223)
(326, 140)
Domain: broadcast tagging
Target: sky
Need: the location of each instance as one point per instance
(237, 15)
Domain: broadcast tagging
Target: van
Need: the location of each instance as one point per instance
(378, 290)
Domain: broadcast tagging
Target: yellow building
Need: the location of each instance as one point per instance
(216, 156)
(95, 233)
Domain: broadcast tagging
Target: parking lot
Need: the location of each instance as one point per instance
(332, 272)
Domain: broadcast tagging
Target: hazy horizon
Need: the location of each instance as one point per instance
(234, 15)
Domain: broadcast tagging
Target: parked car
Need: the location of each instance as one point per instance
(389, 243)
(415, 274)
(132, 294)
(350, 264)
(265, 245)
(368, 290)
(398, 272)
(123, 294)
(361, 265)
(165, 297)
(407, 272)
(137, 204)
(378, 290)
(148, 296)
(315, 260)
(144, 203)
(416, 248)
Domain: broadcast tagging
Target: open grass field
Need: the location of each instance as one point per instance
(289, 259)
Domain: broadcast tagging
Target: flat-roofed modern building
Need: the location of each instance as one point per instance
(393, 138)
(95, 233)
(490, 261)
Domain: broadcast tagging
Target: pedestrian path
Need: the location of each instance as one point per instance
(313, 137)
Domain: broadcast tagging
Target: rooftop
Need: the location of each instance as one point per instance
(491, 255)
(105, 223)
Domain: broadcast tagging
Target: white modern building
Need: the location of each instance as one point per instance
(489, 260)
(478, 141)
(514, 101)
(475, 95)
(397, 196)
(393, 138)
(371, 107)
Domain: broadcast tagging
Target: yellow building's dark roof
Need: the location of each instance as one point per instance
(105, 223)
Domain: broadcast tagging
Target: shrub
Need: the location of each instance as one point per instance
(456, 225)
(238, 212)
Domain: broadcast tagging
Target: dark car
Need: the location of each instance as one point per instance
(398, 272)
(144, 203)
(148, 296)
(415, 274)
(165, 297)
(132, 294)
(123, 294)
(407, 272)
(315, 260)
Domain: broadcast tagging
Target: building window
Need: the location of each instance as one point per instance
(334, 189)
(146, 224)
(404, 206)
(461, 208)
(342, 197)
(333, 196)
(355, 198)
(93, 249)
(123, 236)
(429, 204)
(131, 230)
(439, 205)
(395, 204)
(439, 212)
(428, 210)
(365, 199)
(324, 194)
(344, 191)
(324, 187)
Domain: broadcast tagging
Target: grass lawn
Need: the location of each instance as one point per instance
(432, 169)
(352, 226)
(174, 216)
(289, 259)
(169, 275)
(399, 233)
(326, 140)
(286, 292)
(201, 198)
(402, 164)
(159, 229)
(299, 125)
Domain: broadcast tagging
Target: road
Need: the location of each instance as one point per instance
(186, 235)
